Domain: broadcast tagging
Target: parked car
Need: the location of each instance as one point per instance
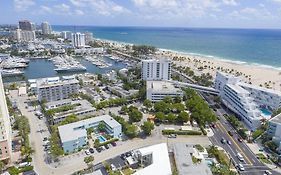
(87, 152)
(45, 139)
(113, 143)
(92, 150)
(106, 146)
(172, 136)
(123, 156)
(24, 164)
(99, 149)
(128, 154)
(113, 167)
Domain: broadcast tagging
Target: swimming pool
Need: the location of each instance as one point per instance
(101, 139)
(265, 113)
(209, 162)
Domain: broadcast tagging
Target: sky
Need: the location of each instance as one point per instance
(155, 13)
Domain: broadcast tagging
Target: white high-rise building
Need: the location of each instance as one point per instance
(66, 35)
(78, 40)
(5, 127)
(156, 69)
(46, 28)
(88, 37)
(24, 35)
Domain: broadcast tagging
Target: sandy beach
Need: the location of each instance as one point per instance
(256, 75)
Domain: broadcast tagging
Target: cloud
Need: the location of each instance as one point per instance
(23, 5)
(230, 2)
(45, 9)
(102, 7)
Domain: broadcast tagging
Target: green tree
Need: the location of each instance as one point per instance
(131, 131)
(160, 116)
(168, 99)
(147, 103)
(171, 118)
(183, 117)
(2, 165)
(70, 119)
(101, 127)
(135, 115)
(147, 127)
(161, 106)
(177, 99)
(89, 159)
(178, 107)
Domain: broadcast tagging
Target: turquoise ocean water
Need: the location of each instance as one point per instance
(246, 46)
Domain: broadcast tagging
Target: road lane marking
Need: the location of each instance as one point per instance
(222, 127)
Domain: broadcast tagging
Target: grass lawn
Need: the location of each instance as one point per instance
(127, 171)
(262, 158)
(225, 158)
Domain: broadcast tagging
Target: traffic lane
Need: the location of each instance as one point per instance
(235, 146)
(216, 139)
(242, 144)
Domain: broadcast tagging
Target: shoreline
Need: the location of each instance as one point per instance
(254, 73)
(227, 60)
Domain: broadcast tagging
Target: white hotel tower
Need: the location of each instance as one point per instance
(246, 100)
(154, 69)
(78, 40)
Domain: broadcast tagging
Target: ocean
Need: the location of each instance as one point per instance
(245, 46)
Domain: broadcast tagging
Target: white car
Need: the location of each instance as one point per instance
(113, 167)
(87, 152)
(267, 172)
(241, 167)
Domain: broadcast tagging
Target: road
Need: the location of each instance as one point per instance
(252, 165)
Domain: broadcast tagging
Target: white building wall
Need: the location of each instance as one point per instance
(156, 69)
(78, 40)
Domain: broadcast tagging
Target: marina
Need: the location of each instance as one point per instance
(67, 64)
(95, 60)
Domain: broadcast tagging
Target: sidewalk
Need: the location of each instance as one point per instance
(254, 147)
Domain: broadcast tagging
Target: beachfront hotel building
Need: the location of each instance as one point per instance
(66, 35)
(78, 40)
(46, 28)
(247, 101)
(54, 88)
(88, 37)
(274, 130)
(158, 90)
(74, 135)
(154, 69)
(5, 127)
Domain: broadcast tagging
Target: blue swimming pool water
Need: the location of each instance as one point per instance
(266, 113)
(101, 139)
(209, 162)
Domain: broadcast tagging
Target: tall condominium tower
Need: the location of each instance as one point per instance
(154, 69)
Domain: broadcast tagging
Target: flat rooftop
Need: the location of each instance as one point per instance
(276, 119)
(263, 89)
(185, 166)
(161, 162)
(238, 89)
(75, 130)
(44, 82)
(162, 86)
